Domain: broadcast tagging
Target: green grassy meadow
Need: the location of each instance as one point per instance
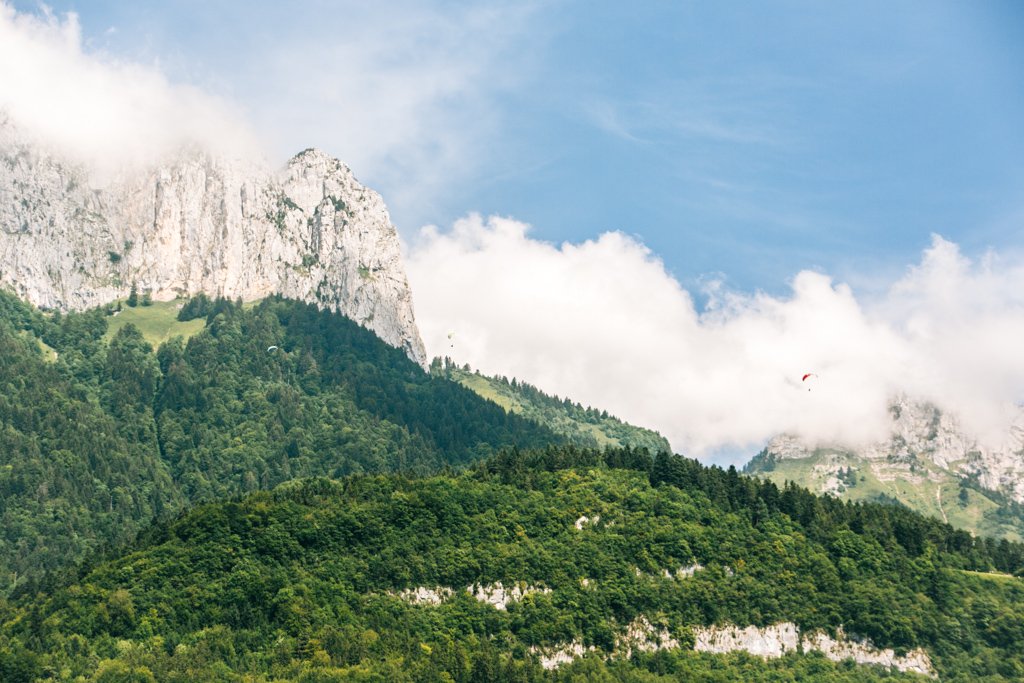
(157, 322)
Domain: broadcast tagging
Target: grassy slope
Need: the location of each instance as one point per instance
(49, 353)
(158, 322)
(608, 432)
(993, 576)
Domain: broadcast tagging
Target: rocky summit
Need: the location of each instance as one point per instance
(930, 462)
(925, 443)
(200, 223)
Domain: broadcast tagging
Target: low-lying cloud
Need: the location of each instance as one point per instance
(604, 323)
(100, 110)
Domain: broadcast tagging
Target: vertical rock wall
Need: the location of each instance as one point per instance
(202, 224)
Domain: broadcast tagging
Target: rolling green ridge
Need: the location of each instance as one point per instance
(304, 583)
(99, 433)
(933, 491)
(585, 427)
(107, 434)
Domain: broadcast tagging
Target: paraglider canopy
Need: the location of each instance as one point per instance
(807, 376)
(271, 348)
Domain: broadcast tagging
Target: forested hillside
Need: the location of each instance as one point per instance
(314, 507)
(586, 427)
(622, 560)
(100, 433)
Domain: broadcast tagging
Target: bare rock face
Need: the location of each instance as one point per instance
(197, 223)
(422, 595)
(770, 641)
(499, 596)
(778, 639)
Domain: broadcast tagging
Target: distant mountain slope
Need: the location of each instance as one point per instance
(558, 565)
(201, 223)
(931, 490)
(99, 433)
(928, 464)
(586, 427)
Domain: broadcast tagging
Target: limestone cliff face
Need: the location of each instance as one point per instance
(197, 223)
(778, 639)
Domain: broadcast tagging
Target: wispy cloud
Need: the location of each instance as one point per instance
(410, 88)
(99, 109)
(740, 111)
(604, 323)
(611, 119)
(404, 93)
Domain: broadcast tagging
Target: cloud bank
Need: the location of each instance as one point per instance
(604, 323)
(101, 110)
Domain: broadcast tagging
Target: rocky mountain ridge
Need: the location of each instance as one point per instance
(924, 434)
(929, 462)
(199, 223)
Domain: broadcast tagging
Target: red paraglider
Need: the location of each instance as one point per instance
(806, 376)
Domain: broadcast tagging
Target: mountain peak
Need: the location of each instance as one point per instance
(313, 154)
(199, 223)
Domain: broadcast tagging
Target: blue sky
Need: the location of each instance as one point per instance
(747, 140)
(669, 210)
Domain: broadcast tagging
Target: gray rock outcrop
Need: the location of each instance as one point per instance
(778, 639)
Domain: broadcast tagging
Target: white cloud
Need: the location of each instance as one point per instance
(604, 323)
(99, 109)
(963, 322)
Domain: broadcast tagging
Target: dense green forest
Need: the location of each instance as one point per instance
(587, 427)
(305, 582)
(97, 438)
